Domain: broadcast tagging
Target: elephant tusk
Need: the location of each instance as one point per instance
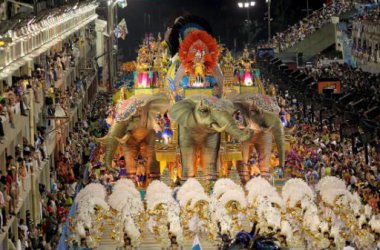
(217, 128)
(102, 140)
(124, 139)
(268, 129)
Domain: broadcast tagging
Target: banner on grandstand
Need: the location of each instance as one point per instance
(264, 52)
(333, 84)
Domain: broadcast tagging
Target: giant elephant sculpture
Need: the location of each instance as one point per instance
(261, 114)
(138, 142)
(134, 121)
(201, 120)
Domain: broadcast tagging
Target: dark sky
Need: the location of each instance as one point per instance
(226, 19)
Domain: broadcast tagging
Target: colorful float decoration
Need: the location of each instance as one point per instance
(227, 208)
(143, 77)
(194, 204)
(228, 69)
(128, 67)
(127, 212)
(199, 54)
(91, 212)
(163, 214)
(245, 74)
(151, 66)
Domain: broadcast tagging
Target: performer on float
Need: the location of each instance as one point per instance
(123, 94)
(168, 133)
(245, 74)
(142, 79)
(255, 171)
(158, 127)
(283, 116)
(199, 69)
(157, 64)
(195, 57)
(122, 165)
(140, 172)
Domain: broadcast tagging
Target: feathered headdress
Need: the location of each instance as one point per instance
(182, 27)
(199, 41)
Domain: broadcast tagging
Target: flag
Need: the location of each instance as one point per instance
(121, 29)
(196, 244)
(122, 3)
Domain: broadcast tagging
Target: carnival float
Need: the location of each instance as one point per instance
(295, 217)
(201, 119)
(192, 109)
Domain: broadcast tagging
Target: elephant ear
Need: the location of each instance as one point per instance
(183, 113)
(218, 74)
(239, 104)
(157, 103)
(181, 72)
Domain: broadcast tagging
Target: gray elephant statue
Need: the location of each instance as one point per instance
(134, 124)
(201, 119)
(261, 114)
(139, 142)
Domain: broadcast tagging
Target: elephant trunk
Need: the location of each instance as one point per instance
(117, 130)
(278, 133)
(241, 135)
(225, 122)
(123, 140)
(217, 128)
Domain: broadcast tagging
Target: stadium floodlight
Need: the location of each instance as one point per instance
(240, 4)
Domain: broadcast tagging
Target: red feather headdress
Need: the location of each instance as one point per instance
(199, 40)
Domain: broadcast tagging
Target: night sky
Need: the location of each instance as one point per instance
(226, 19)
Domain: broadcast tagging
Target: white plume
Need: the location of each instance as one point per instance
(286, 229)
(375, 224)
(368, 211)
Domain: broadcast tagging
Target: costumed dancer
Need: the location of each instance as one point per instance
(140, 172)
(283, 116)
(122, 165)
(255, 170)
(246, 74)
(168, 133)
(199, 68)
(158, 128)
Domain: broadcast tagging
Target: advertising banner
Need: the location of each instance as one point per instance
(329, 84)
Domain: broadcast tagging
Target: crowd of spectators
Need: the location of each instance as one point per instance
(366, 36)
(319, 150)
(299, 31)
(29, 157)
(15, 181)
(362, 85)
(317, 153)
(15, 99)
(73, 169)
(66, 97)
